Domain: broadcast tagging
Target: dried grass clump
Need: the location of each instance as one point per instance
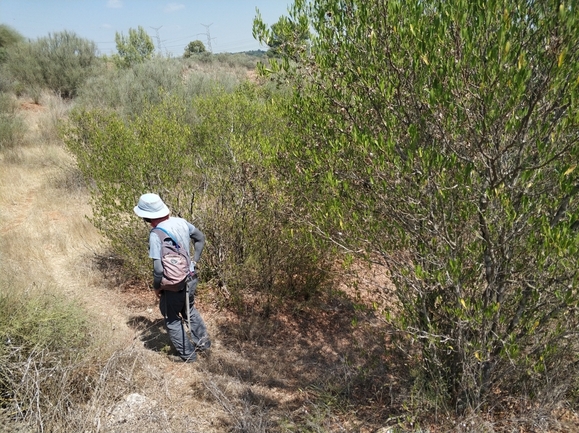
(43, 334)
(12, 127)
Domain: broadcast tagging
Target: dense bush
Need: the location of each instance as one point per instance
(8, 37)
(216, 171)
(129, 90)
(123, 159)
(443, 137)
(60, 62)
(254, 242)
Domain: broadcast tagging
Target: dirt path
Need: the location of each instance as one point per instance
(40, 208)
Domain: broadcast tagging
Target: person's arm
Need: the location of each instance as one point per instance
(157, 276)
(198, 239)
(157, 273)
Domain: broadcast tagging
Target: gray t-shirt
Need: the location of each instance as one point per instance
(183, 232)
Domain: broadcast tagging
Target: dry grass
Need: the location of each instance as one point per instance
(328, 367)
(47, 245)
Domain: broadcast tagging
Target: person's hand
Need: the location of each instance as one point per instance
(158, 293)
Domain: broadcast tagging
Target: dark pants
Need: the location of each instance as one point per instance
(173, 307)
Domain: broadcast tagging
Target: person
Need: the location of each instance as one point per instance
(172, 304)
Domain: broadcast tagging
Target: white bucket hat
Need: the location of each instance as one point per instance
(151, 206)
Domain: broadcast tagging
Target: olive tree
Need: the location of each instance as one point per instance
(441, 139)
(60, 62)
(194, 47)
(283, 35)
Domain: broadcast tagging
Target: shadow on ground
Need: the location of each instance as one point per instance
(152, 333)
(337, 355)
(293, 358)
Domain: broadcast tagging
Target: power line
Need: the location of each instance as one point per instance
(158, 38)
(208, 36)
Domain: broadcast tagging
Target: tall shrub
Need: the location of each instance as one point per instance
(443, 137)
(216, 171)
(122, 160)
(8, 36)
(130, 91)
(12, 128)
(254, 243)
(60, 62)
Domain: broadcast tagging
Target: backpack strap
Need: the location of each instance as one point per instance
(168, 234)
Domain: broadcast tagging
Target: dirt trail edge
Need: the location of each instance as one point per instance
(40, 207)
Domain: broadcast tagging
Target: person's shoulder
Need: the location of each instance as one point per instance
(178, 221)
(153, 235)
(176, 218)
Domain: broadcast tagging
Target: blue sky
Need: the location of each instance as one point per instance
(222, 25)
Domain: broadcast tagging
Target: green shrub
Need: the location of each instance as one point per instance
(60, 62)
(130, 90)
(216, 172)
(199, 83)
(122, 160)
(8, 37)
(248, 220)
(193, 48)
(133, 49)
(442, 138)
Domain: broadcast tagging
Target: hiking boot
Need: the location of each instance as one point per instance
(205, 345)
(204, 354)
(177, 358)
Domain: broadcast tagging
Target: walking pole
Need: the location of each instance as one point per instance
(188, 309)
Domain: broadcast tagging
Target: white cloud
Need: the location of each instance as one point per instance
(106, 26)
(115, 4)
(172, 7)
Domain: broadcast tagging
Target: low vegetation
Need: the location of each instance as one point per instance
(44, 338)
